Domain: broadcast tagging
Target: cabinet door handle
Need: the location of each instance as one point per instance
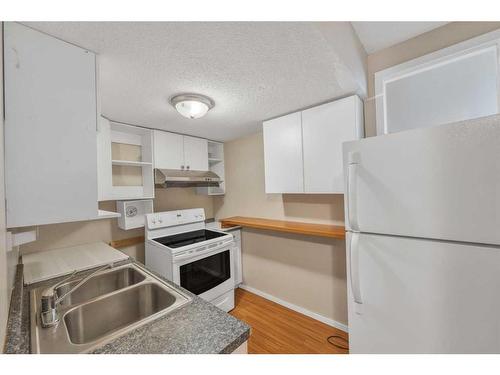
(182, 167)
(188, 167)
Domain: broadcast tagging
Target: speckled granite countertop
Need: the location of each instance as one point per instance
(196, 328)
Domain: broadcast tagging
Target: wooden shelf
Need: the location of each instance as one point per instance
(321, 230)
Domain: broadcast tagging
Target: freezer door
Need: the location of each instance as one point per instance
(422, 296)
(441, 182)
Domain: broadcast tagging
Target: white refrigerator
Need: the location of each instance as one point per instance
(423, 240)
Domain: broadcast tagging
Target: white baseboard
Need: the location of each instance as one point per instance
(299, 309)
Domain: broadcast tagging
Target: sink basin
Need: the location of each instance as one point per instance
(116, 311)
(99, 285)
(108, 305)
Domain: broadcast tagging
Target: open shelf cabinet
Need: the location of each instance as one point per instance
(216, 165)
(125, 161)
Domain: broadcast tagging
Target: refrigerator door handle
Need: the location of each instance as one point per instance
(352, 202)
(354, 267)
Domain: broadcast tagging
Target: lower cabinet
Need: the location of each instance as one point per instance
(238, 274)
(242, 349)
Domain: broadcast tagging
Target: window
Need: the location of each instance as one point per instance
(454, 84)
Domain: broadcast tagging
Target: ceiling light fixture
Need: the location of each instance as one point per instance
(192, 105)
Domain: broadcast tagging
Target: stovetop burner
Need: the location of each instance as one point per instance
(188, 238)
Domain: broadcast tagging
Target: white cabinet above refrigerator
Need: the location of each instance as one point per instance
(324, 129)
(284, 171)
(303, 150)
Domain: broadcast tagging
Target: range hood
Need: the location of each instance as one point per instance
(166, 178)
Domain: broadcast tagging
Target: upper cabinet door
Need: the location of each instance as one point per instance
(195, 154)
(324, 130)
(50, 129)
(283, 154)
(168, 150)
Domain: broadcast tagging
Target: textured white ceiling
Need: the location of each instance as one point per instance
(253, 71)
(376, 36)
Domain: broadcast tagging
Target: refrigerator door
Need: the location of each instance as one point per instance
(408, 295)
(441, 182)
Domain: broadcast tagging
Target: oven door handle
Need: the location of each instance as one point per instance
(192, 254)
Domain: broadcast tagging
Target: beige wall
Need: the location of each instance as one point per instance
(182, 198)
(303, 270)
(309, 272)
(67, 234)
(442, 37)
(245, 191)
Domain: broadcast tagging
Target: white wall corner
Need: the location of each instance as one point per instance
(352, 57)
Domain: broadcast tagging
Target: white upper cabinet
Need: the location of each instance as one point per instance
(303, 150)
(283, 154)
(50, 129)
(168, 150)
(216, 165)
(324, 129)
(180, 152)
(195, 154)
(124, 162)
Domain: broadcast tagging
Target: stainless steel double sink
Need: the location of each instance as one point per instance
(107, 306)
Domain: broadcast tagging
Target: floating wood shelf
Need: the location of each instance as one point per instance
(321, 230)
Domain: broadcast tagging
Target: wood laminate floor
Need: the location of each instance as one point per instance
(279, 330)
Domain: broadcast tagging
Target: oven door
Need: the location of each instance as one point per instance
(208, 275)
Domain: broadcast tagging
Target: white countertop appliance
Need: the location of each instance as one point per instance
(423, 240)
(179, 248)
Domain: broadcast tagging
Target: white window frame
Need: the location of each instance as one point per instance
(430, 61)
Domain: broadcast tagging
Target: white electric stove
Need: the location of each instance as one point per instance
(179, 248)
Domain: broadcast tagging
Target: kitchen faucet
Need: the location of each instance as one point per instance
(50, 300)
